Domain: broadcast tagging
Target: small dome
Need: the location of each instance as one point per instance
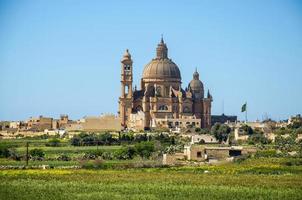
(196, 86)
(126, 56)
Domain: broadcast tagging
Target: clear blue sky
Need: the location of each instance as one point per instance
(64, 56)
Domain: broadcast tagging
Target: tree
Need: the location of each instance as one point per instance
(221, 131)
(258, 138)
(144, 149)
(247, 129)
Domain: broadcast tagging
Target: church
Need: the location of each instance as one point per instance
(161, 102)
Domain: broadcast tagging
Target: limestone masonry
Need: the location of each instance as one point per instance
(161, 101)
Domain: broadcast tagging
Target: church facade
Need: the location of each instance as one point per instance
(161, 101)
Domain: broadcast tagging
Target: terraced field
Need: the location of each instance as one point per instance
(251, 179)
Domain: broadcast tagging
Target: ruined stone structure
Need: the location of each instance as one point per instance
(161, 98)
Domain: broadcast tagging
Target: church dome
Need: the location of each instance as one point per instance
(161, 67)
(197, 86)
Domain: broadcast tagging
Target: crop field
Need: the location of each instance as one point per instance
(81, 177)
(251, 179)
(145, 184)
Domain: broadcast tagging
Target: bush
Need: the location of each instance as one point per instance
(4, 152)
(285, 143)
(247, 129)
(93, 154)
(144, 149)
(294, 162)
(64, 157)
(75, 141)
(37, 154)
(107, 155)
(258, 138)
(84, 139)
(125, 153)
(53, 142)
(14, 155)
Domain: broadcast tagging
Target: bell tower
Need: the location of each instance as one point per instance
(126, 98)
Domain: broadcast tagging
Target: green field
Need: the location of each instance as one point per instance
(263, 176)
(145, 184)
(251, 179)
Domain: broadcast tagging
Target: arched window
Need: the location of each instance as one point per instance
(158, 91)
(127, 67)
(167, 91)
(186, 109)
(163, 107)
(126, 89)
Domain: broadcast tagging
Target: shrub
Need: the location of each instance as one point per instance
(247, 129)
(54, 142)
(107, 155)
(14, 155)
(258, 138)
(144, 149)
(293, 162)
(75, 141)
(125, 153)
(4, 152)
(64, 157)
(93, 154)
(285, 143)
(37, 154)
(93, 139)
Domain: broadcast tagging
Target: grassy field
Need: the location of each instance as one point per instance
(251, 179)
(146, 184)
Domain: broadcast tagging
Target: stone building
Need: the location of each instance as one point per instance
(161, 98)
(101, 123)
(39, 124)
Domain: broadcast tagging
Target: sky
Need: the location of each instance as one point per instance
(63, 56)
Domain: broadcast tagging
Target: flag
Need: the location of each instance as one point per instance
(243, 108)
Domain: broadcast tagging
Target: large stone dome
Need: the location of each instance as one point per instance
(161, 67)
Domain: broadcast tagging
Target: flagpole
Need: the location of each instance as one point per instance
(246, 112)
